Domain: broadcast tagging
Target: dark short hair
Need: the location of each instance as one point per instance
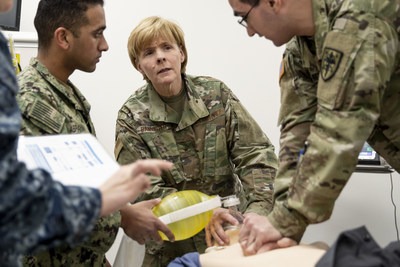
(250, 2)
(52, 14)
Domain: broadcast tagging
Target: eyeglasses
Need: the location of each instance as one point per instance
(243, 20)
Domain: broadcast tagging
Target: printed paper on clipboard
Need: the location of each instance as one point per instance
(72, 159)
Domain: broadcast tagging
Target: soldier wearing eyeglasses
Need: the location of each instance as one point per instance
(340, 80)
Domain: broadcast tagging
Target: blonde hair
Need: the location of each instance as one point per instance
(149, 29)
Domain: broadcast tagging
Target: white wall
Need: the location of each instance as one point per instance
(218, 46)
(365, 200)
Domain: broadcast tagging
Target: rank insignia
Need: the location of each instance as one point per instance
(330, 62)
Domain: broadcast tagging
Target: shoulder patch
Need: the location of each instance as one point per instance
(331, 59)
(47, 115)
(281, 69)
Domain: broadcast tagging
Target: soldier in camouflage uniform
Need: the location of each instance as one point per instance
(51, 104)
(27, 218)
(340, 84)
(195, 122)
(37, 212)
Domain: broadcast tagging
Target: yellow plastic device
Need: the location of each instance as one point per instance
(14, 56)
(186, 212)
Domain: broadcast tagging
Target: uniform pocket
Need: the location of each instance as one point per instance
(163, 146)
(216, 159)
(263, 181)
(189, 159)
(339, 53)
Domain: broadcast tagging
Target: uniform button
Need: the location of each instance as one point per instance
(367, 238)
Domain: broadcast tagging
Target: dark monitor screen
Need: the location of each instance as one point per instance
(10, 21)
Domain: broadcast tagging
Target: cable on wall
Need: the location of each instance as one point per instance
(394, 205)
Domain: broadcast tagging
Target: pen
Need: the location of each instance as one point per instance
(302, 151)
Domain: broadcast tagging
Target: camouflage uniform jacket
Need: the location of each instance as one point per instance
(48, 107)
(216, 147)
(339, 88)
(35, 211)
